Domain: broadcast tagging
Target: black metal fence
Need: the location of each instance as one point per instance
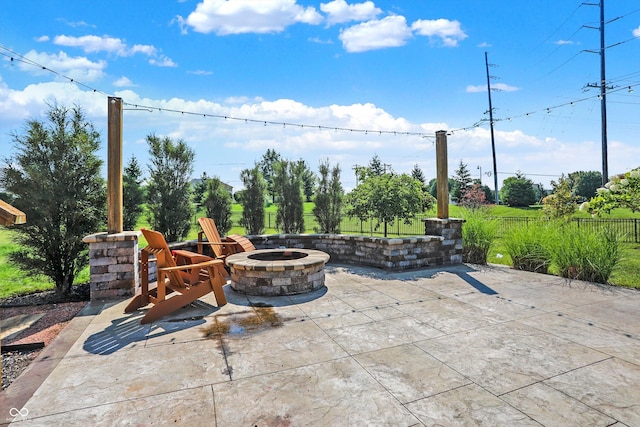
(627, 228)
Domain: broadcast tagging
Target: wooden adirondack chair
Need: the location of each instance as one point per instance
(189, 281)
(233, 243)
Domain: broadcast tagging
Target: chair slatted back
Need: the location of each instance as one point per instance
(157, 245)
(211, 231)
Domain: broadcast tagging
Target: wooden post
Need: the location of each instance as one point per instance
(442, 175)
(114, 166)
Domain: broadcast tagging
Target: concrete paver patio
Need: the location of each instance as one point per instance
(464, 345)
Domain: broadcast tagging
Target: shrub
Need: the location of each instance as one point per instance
(478, 233)
(530, 247)
(584, 255)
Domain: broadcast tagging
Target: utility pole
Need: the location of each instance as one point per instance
(603, 89)
(493, 142)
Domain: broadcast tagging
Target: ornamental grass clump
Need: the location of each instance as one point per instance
(584, 255)
(530, 247)
(478, 233)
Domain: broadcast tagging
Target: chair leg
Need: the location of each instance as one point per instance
(176, 302)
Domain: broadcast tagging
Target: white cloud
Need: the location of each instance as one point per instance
(79, 67)
(200, 72)
(217, 141)
(501, 87)
(42, 39)
(391, 31)
(162, 61)
(226, 17)
(123, 82)
(564, 42)
(636, 32)
(339, 11)
(449, 32)
(91, 44)
(484, 44)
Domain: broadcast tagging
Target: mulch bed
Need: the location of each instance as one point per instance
(56, 316)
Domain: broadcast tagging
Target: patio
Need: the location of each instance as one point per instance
(460, 345)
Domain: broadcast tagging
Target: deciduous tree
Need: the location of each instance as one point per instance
(517, 191)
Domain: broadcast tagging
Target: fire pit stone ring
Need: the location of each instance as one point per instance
(274, 272)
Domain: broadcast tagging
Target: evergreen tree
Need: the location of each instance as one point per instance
(55, 179)
(200, 189)
(253, 200)
(287, 185)
(132, 194)
(461, 182)
(376, 168)
(416, 173)
(328, 206)
(168, 197)
(268, 168)
(217, 202)
(308, 180)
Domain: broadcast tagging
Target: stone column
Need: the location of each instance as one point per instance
(450, 230)
(113, 263)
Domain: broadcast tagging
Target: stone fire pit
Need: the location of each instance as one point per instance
(271, 272)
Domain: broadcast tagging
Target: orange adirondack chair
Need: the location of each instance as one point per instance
(189, 281)
(233, 243)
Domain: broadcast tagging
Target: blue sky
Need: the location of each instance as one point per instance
(401, 66)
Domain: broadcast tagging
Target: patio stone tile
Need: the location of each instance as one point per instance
(333, 393)
(186, 365)
(276, 348)
(449, 315)
(611, 386)
(409, 373)
(535, 299)
(367, 299)
(620, 314)
(507, 356)
(378, 335)
(193, 407)
(341, 288)
(384, 313)
(499, 305)
(551, 408)
(104, 338)
(343, 320)
(403, 291)
(469, 405)
(596, 336)
(329, 304)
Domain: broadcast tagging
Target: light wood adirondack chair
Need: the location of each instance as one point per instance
(189, 281)
(233, 243)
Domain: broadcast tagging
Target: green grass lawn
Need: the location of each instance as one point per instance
(14, 281)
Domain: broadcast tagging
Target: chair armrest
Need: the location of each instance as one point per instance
(190, 266)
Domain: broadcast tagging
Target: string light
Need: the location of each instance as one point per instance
(16, 57)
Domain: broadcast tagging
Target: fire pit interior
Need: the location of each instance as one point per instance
(273, 272)
(277, 255)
